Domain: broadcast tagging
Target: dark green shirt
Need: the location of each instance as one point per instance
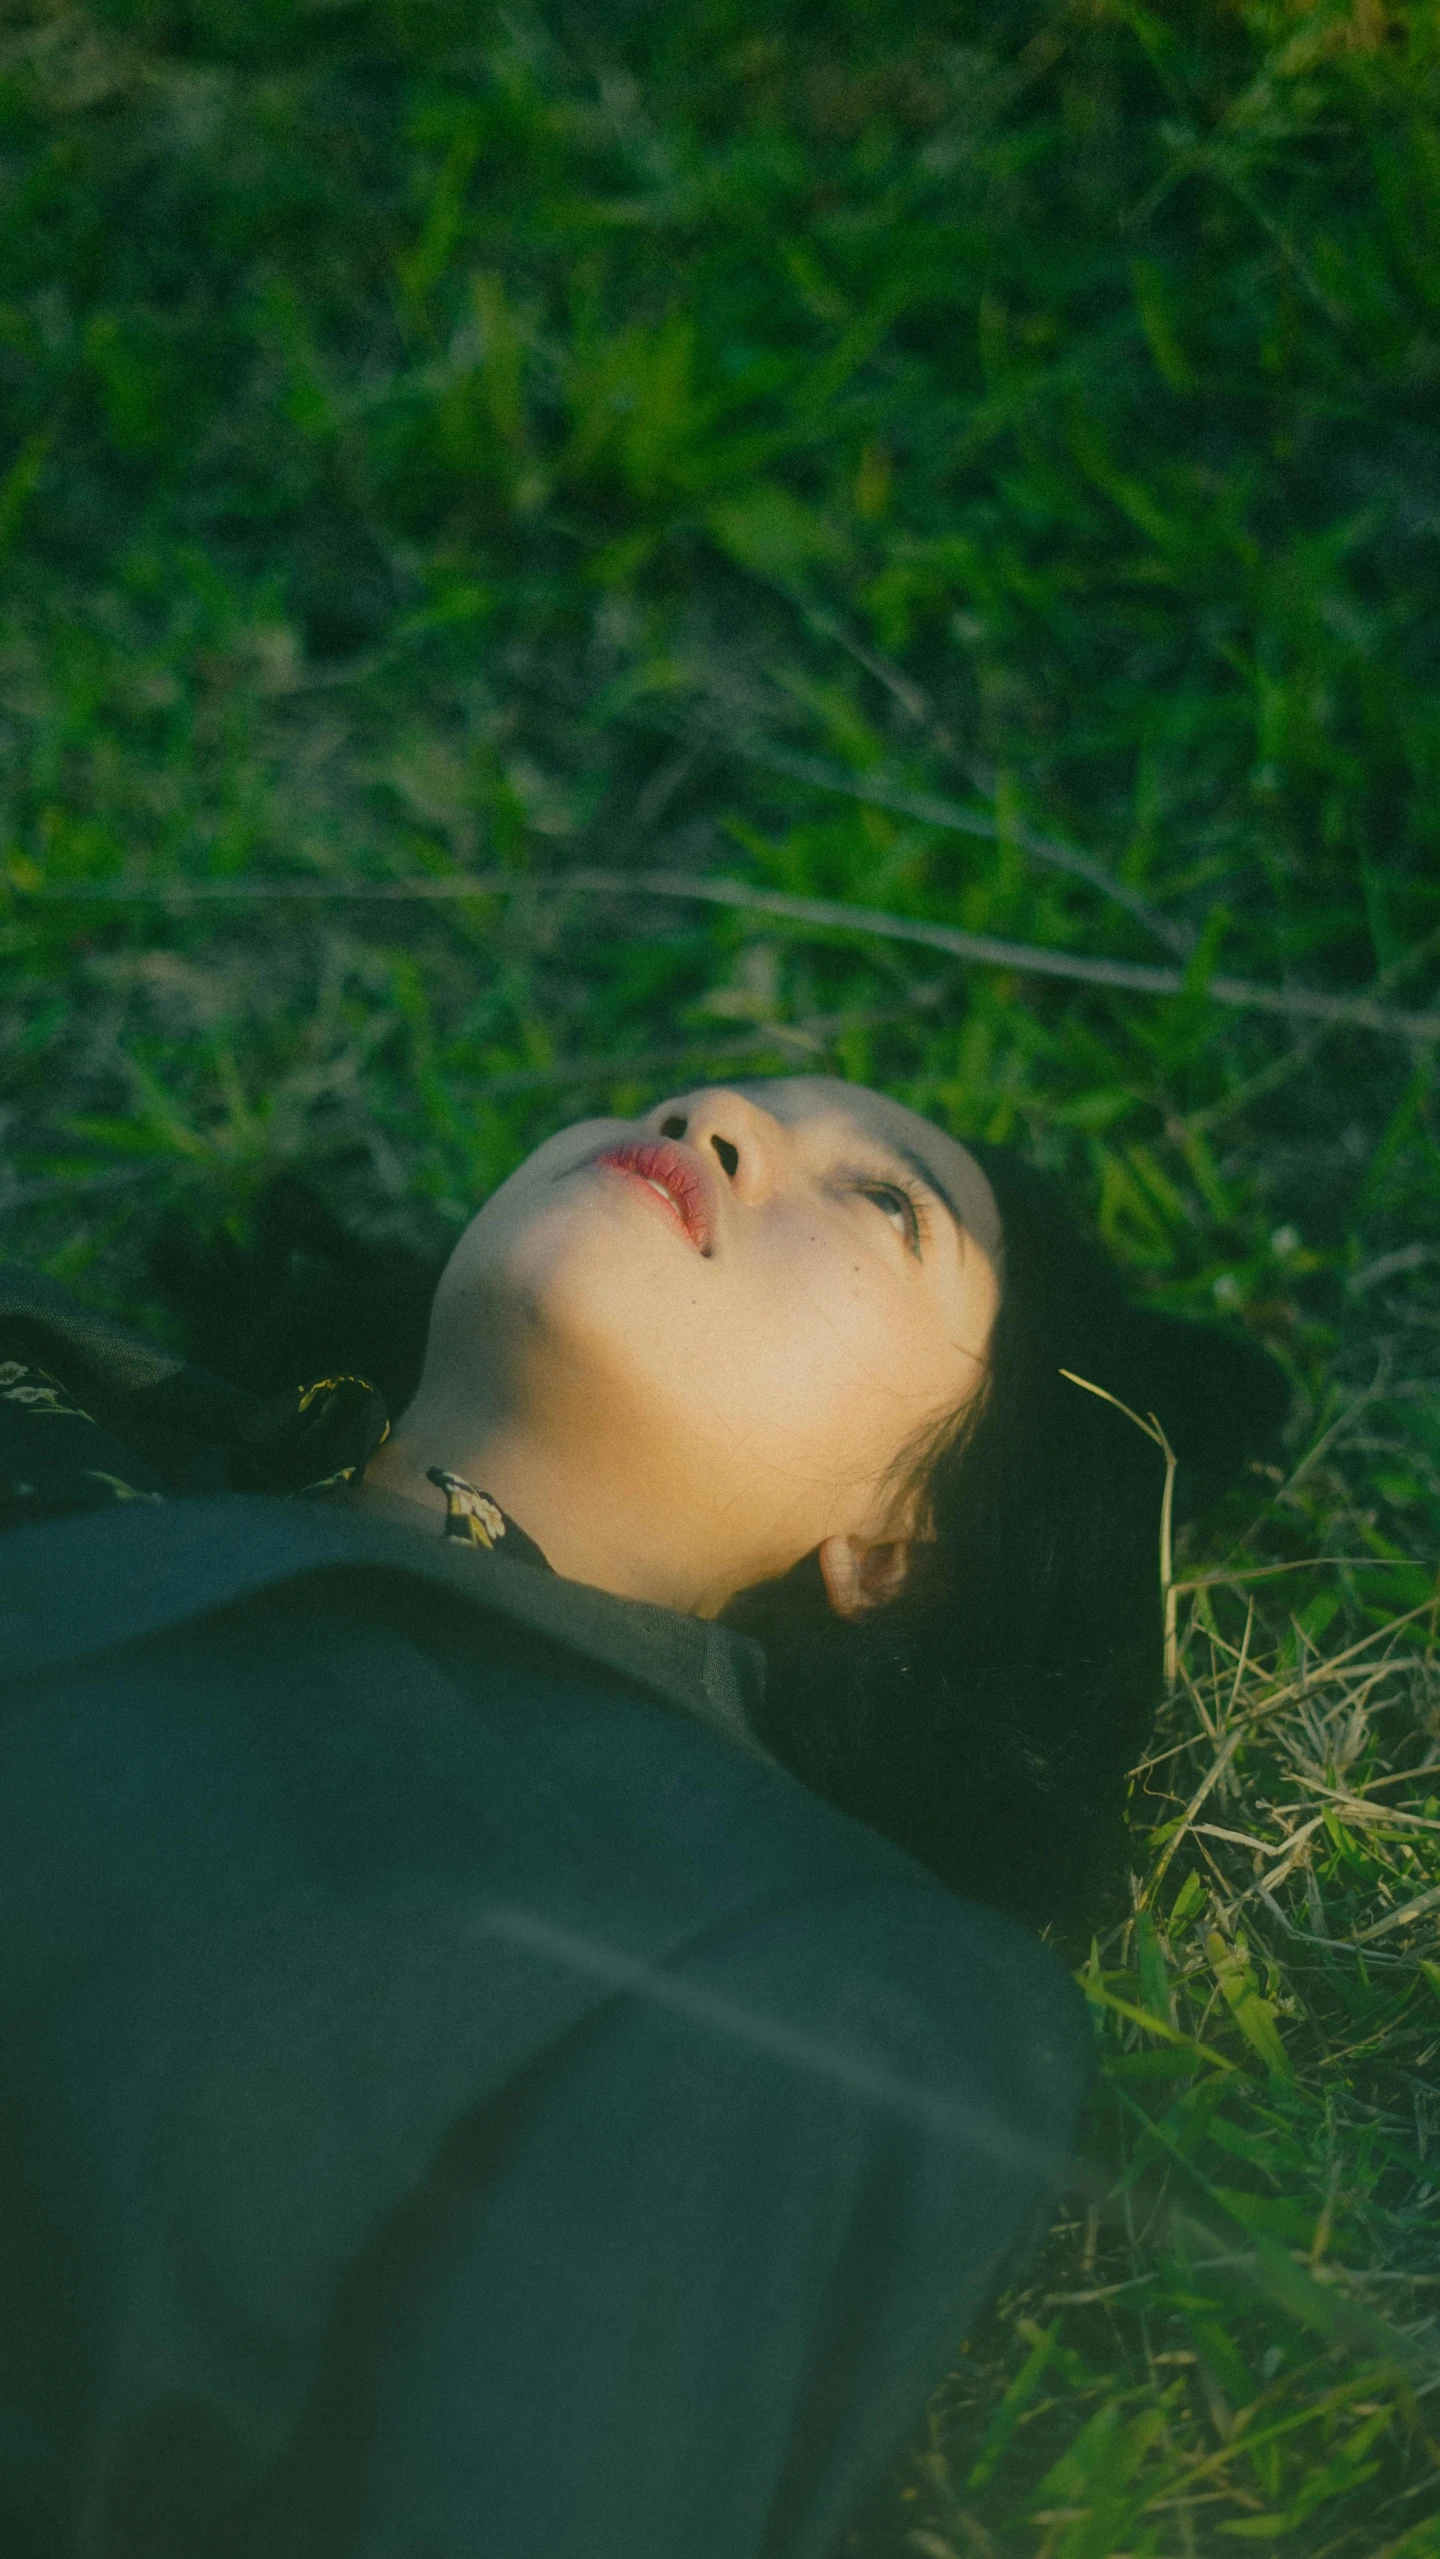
(457, 2095)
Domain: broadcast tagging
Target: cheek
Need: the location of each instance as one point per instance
(853, 1358)
(823, 1357)
(596, 1285)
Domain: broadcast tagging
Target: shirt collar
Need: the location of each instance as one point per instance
(472, 1519)
(73, 1588)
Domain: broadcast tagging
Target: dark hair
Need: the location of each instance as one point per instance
(986, 1718)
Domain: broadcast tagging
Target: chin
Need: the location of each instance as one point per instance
(628, 1299)
(579, 1277)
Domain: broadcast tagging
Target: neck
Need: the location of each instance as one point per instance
(589, 1532)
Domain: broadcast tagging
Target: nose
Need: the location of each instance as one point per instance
(743, 1139)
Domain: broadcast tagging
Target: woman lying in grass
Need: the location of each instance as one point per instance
(461, 2094)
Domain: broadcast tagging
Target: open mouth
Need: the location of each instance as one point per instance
(672, 1178)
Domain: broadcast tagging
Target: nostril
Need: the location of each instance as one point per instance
(729, 1155)
(674, 1126)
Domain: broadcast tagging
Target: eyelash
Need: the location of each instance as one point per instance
(912, 1202)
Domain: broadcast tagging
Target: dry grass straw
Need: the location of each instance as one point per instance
(1153, 1429)
(1232, 2334)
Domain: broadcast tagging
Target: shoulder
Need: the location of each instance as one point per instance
(74, 1589)
(213, 1805)
(284, 1718)
(291, 1633)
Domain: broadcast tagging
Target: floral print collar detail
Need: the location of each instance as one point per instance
(92, 1414)
(472, 1519)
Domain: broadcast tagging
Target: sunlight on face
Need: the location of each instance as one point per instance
(738, 1312)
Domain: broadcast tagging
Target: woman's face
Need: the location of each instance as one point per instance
(733, 1316)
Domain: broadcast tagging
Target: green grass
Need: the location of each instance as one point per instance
(449, 443)
(1231, 2335)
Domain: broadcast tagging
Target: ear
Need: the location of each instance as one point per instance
(861, 1573)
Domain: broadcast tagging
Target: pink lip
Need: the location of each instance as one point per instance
(672, 1176)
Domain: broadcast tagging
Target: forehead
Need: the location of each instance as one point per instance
(826, 1102)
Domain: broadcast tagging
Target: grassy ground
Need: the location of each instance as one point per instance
(976, 464)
